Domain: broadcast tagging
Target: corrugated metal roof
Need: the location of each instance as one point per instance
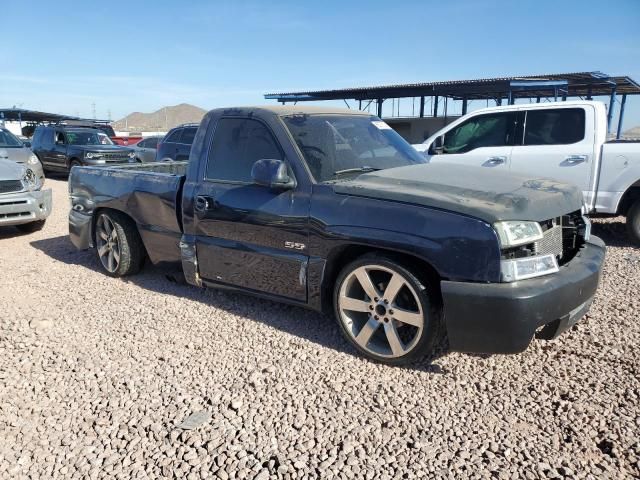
(578, 84)
(14, 114)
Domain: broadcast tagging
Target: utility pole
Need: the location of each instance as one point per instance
(93, 110)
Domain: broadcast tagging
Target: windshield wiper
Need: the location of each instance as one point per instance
(356, 170)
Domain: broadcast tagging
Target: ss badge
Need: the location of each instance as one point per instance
(295, 245)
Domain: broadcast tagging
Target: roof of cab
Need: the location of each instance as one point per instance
(283, 110)
(536, 106)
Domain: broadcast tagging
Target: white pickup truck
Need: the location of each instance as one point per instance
(566, 141)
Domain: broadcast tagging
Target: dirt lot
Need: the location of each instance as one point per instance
(97, 373)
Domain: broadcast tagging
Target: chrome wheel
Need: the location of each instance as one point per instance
(108, 243)
(381, 311)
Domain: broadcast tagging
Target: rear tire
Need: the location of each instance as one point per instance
(633, 222)
(118, 243)
(395, 318)
(31, 227)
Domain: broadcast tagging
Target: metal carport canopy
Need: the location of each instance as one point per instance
(22, 115)
(581, 84)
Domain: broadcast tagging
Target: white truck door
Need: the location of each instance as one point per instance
(483, 140)
(557, 143)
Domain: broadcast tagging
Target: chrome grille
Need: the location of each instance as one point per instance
(113, 157)
(10, 186)
(551, 243)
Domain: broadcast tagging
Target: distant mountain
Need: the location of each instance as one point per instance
(161, 120)
(632, 133)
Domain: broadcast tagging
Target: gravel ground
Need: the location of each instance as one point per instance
(97, 375)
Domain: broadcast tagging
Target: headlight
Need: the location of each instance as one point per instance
(528, 267)
(30, 180)
(92, 155)
(514, 233)
(33, 160)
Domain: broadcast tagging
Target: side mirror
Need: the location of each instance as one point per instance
(437, 147)
(272, 174)
(27, 144)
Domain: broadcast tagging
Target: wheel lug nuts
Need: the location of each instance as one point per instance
(386, 301)
(376, 299)
(386, 320)
(370, 307)
(390, 312)
(376, 317)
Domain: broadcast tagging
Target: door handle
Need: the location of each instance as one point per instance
(203, 204)
(492, 161)
(575, 159)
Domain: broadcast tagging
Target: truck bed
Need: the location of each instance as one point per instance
(149, 193)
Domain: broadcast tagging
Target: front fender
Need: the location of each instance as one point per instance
(471, 254)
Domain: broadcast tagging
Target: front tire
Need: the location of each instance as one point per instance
(633, 222)
(385, 311)
(74, 163)
(118, 244)
(31, 227)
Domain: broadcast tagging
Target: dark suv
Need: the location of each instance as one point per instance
(61, 147)
(176, 145)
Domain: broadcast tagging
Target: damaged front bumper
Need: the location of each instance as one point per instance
(503, 317)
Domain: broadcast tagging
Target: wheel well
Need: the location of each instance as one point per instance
(72, 159)
(629, 198)
(339, 258)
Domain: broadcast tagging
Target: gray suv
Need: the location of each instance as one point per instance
(60, 148)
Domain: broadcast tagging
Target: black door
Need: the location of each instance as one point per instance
(46, 146)
(247, 235)
(58, 153)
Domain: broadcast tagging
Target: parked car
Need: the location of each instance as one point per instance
(176, 145)
(566, 141)
(106, 128)
(145, 150)
(23, 203)
(12, 148)
(333, 210)
(60, 148)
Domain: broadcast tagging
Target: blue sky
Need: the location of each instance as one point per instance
(64, 56)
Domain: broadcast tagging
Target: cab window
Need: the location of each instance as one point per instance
(557, 126)
(490, 130)
(237, 144)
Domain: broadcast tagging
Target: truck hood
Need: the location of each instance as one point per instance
(10, 170)
(488, 194)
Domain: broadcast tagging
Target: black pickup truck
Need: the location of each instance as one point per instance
(333, 210)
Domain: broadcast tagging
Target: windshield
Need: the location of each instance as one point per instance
(335, 146)
(9, 140)
(88, 138)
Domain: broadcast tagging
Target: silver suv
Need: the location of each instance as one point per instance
(23, 203)
(12, 148)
